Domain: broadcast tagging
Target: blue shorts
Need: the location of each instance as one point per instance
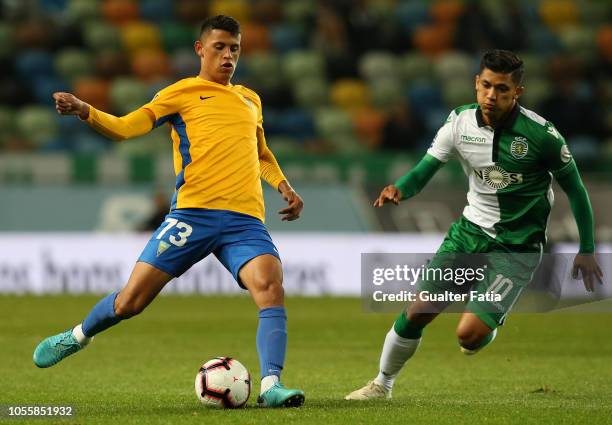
(188, 235)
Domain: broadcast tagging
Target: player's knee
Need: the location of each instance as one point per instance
(271, 286)
(268, 288)
(470, 338)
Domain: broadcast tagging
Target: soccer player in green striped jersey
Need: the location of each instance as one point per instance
(509, 155)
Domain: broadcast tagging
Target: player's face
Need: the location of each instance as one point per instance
(218, 51)
(496, 93)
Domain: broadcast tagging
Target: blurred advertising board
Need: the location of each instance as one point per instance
(314, 264)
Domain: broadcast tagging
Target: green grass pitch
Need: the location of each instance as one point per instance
(542, 369)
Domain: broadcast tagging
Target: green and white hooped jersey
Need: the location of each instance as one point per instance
(509, 169)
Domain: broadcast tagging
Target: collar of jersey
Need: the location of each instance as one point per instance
(507, 123)
(228, 86)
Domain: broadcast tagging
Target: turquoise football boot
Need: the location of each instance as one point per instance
(279, 396)
(55, 348)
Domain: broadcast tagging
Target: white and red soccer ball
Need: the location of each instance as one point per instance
(223, 382)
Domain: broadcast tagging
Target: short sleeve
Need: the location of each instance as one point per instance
(557, 157)
(443, 145)
(164, 104)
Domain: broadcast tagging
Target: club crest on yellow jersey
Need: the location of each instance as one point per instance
(248, 102)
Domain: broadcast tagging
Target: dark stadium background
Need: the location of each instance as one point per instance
(353, 93)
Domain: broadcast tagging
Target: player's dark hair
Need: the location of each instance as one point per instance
(503, 62)
(220, 22)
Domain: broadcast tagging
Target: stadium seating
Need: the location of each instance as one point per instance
(93, 91)
(293, 124)
(156, 10)
(264, 68)
(128, 94)
(432, 40)
(378, 64)
(285, 146)
(604, 42)
(176, 35)
(239, 9)
(31, 64)
(33, 34)
(458, 90)
(121, 52)
(454, 64)
(337, 127)
(578, 41)
(150, 65)
(137, 36)
(544, 41)
(415, 67)
(7, 125)
(537, 90)
(412, 14)
(44, 86)
(350, 95)
(256, 38)
(297, 12)
(447, 11)
(156, 142)
(285, 38)
(83, 10)
(368, 124)
(303, 63)
(535, 65)
(557, 14)
(99, 35)
(424, 97)
(385, 92)
(184, 63)
(119, 12)
(6, 35)
(584, 148)
(594, 13)
(37, 124)
(311, 92)
(72, 64)
(111, 64)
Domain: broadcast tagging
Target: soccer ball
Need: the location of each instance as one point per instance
(223, 382)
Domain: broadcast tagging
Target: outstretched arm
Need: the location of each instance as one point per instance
(440, 151)
(585, 263)
(133, 124)
(411, 183)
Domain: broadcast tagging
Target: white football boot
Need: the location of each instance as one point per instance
(371, 391)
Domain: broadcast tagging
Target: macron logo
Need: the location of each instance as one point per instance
(473, 139)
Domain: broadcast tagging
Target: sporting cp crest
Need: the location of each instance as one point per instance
(519, 147)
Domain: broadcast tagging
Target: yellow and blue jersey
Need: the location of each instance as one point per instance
(219, 148)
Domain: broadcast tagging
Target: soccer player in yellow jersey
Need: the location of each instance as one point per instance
(220, 154)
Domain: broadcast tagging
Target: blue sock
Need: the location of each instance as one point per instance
(102, 316)
(272, 340)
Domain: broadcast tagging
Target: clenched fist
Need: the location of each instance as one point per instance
(69, 104)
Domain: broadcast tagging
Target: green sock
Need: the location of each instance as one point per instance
(488, 339)
(407, 329)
